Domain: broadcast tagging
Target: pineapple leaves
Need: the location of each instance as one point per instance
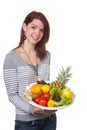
(64, 75)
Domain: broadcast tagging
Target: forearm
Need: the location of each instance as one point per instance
(11, 84)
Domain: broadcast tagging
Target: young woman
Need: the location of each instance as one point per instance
(25, 64)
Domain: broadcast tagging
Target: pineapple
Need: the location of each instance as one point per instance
(63, 77)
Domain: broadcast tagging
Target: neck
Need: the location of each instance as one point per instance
(28, 47)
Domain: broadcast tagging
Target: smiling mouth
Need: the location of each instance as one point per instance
(35, 38)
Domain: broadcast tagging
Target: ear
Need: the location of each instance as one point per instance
(24, 27)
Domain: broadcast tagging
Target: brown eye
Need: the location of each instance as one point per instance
(33, 27)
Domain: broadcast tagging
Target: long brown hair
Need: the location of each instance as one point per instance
(41, 45)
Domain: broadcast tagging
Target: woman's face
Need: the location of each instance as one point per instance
(34, 31)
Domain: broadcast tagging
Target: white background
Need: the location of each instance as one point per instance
(67, 44)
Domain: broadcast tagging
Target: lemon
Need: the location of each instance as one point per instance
(67, 93)
(51, 103)
(45, 88)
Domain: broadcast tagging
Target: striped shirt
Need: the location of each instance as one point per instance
(18, 75)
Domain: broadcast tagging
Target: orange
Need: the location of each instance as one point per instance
(36, 89)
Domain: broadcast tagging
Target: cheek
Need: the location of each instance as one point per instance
(28, 32)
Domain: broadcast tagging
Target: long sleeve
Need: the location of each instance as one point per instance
(12, 85)
(17, 76)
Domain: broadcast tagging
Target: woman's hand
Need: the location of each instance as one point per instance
(42, 111)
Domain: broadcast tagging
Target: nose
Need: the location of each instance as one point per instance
(37, 31)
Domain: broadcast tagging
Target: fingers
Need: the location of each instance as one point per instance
(38, 110)
(42, 111)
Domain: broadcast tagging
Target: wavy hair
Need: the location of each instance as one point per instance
(41, 45)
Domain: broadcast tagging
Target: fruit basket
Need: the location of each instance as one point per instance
(51, 96)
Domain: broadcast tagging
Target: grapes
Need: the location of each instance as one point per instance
(42, 82)
(56, 97)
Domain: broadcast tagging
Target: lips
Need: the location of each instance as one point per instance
(35, 38)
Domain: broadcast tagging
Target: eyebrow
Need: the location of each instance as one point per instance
(36, 26)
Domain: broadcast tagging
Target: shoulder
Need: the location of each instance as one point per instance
(10, 56)
(9, 61)
(47, 57)
(48, 54)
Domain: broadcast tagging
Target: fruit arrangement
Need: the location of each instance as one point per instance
(51, 94)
